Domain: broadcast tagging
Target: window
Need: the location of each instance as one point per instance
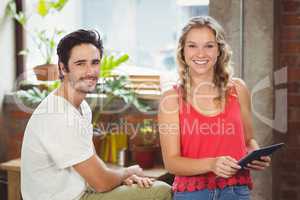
(146, 30)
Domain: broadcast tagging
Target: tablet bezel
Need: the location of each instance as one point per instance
(256, 154)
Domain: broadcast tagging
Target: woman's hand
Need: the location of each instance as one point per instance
(225, 166)
(143, 182)
(261, 164)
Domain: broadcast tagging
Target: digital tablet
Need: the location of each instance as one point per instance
(255, 155)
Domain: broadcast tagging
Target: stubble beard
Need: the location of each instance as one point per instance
(80, 86)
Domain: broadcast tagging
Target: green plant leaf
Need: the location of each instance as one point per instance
(51, 44)
(44, 94)
(59, 5)
(122, 59)
(109, 63)
(32, 96)
(31, 92)
(53, 86)
(58, 32)
(37, 91)
(11, 10)
(42, 8)
(21, 18)
(102, 66)
(23, 94)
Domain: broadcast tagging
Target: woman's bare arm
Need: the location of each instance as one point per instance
(251, 143)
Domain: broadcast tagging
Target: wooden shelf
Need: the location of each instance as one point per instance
(12, 168)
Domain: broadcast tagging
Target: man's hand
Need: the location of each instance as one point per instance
(143, 182)
(134, 170)
(261, 164)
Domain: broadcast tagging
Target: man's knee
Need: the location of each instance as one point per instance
(162, 190)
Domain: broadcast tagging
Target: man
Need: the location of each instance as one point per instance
(58, 160)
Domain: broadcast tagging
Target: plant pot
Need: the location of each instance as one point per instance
(46, 72)
(145, 156)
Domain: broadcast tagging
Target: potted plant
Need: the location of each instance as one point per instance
(33, 95)
(44, 40)
(145, 150)
(47, 45)
(113, 87)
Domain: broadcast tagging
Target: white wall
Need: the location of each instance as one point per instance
(7, 59)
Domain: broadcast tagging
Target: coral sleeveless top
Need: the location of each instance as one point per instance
(211, 136)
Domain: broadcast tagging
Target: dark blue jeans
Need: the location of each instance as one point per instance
(228, 193)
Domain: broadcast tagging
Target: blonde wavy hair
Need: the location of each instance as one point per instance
(222, 69)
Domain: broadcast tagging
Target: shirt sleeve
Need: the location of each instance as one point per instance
(67, 139)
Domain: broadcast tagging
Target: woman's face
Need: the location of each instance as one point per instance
(201, 51)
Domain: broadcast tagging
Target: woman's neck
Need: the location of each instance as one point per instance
(202, 83)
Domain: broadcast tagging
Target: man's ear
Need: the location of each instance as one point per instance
(62, 68)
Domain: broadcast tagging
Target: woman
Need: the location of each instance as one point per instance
(205, 121)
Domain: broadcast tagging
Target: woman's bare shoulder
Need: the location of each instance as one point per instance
(169, 98)
(170, 92)
(240, 85)
(242, 92)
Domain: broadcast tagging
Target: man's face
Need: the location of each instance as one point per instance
(83, 68)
